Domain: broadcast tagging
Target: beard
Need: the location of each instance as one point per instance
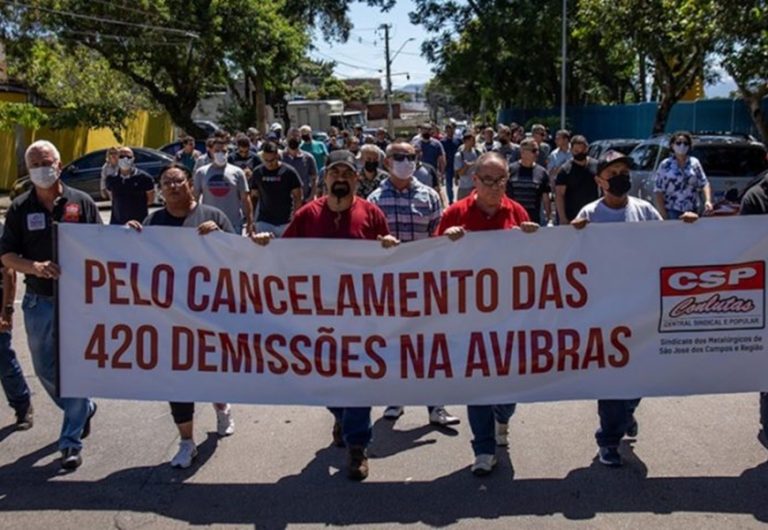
(340, 189)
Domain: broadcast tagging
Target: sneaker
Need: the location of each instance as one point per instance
(338, 437)
(632, 430)
(609, 456)
(440, 416)
(24, 417)
(225, 425)
(87, 426)
(358, 463)
(70, 458)
(392, 413)
(483, 465)
(186, 453)
(502, 434)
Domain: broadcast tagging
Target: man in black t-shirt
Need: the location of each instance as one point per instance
(277, 188)
(528, 182)
(132, 190)
(575, 185)
(244, 157)
(27, 247)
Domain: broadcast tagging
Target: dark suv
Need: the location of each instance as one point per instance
(730, 161)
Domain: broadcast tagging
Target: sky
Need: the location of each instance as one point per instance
(363, 54)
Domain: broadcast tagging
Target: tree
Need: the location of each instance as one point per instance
(744, 50)
(676, 35)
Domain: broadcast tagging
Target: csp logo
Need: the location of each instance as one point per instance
(715, 297)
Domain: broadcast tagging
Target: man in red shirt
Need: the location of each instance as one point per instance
(487, 208)
(342, 215)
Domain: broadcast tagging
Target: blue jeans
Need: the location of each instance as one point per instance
(38, 319)
(449, 184)
(355, 424)
(482, 420)
(11, 376)
(615, 417)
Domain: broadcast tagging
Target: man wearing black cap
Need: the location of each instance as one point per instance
(342, 215)
(616, 206)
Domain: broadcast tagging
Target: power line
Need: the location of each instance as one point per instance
(121, 38)
(361, 67)
(101, 19)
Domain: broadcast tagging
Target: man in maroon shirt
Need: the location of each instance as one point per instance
(487, 208)
(342, 215)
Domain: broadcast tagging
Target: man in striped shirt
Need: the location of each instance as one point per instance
(413, 213)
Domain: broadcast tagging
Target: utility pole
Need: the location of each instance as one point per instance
(564, 71)
(388, 94)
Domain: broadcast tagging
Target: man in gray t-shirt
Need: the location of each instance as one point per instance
(464, 165)
(224, 186)
(617, 416)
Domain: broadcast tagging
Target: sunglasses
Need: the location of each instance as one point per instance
(399, 157)
(125, 156)
(680, 142)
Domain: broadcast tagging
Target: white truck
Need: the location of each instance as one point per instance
(321, 115)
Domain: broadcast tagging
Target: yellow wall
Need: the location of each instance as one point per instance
(145, 130)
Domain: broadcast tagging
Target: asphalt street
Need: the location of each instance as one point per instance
(696, 463)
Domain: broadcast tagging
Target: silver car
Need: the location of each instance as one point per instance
(730, 161)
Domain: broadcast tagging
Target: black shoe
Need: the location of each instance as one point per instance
(358, 463)
(70, 458)
(87, 427)
(633, 428)
(338, 438)
(24, 417)
(609, 456)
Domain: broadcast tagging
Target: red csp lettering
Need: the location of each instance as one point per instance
(690, 281)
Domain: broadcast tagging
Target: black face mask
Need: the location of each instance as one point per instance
(293, 143)
(503, 141)
(340, 189)
(619, 185)
(371, 166)
(306, 138)
(581, 157)
(426, 136)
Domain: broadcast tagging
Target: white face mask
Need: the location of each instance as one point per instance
(219, 158)
(404, 169)
(680, 149)
(125, 163)
(44, 177)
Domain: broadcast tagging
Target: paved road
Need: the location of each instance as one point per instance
(697, 463)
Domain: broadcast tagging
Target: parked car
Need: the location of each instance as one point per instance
(623, 145)
(174, 147)
(84, 173)
(730, 161)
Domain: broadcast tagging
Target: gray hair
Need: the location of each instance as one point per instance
(39, 145)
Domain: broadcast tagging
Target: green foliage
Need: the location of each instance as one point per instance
(23, 114)
(333, 88)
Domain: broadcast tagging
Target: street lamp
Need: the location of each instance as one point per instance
(390, 113)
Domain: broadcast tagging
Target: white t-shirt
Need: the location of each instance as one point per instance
(636, 210)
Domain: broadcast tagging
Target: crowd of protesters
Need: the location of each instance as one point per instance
(352, 186)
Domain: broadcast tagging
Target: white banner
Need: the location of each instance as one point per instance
(612, 311)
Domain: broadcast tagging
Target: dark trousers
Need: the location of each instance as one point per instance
(615, 418)
(182, 412)
(355, 424)
(764, 411)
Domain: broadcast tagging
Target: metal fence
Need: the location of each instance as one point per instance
(598, 122)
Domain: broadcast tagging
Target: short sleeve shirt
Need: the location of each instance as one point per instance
(29, 229)
(306, 166)
(197, 216)
(413, 213)
(222, 187)
(366, 186)
(250, 161)
(431, 151)
(527, 185)
(317, 150)
(680, 185)
(129, 196)
(461, 158)
(466, 214)
(636, 210)
(362, 220)
(275, 189)
(580, 185)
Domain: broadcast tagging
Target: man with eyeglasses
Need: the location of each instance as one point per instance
(413, 212)
(575, 185)
(277, 189)
(182, 209)
(132, 190)
(529, 183)
(487, 208)
(539, 133)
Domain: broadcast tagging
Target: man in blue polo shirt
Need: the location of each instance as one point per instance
(313, 147)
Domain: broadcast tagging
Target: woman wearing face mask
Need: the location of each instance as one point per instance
(679, 180)
(110, 167)
(371, 176)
